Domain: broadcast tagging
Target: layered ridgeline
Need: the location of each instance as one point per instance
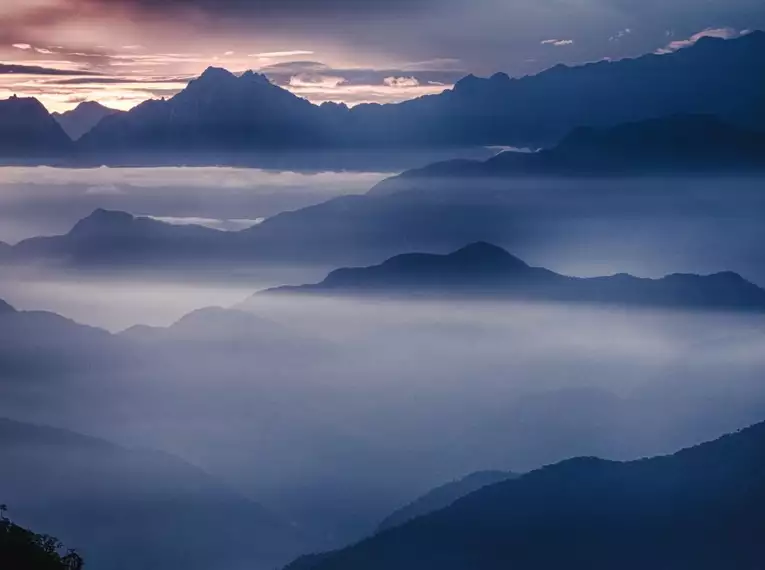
(443, 496)
(220, 111)
(225, 113)
(83, 118)
(124, 508)
(700, 508)
(485, 271)
(680, 145)
(450, 203)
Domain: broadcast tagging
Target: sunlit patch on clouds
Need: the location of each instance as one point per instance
(213, 223)
(557, 43)
(721, 33)
(137, 44)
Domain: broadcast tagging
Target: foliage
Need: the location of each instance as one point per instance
(22, 549)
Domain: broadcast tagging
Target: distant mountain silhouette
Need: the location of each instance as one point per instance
(220, 112)
(677, 145)
(28, 130)
(124, 508)
(443, 496)
(224, 332)
(482, 270)
(106, 237)
(39, 341)
(700, 508)
(216, 112)
(83, 118)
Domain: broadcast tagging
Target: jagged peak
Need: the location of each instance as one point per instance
(250, 75)
(6, 308)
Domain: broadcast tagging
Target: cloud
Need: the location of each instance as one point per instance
(213, 223)
(401, 82)
(720, 33)
(557, 43)
(22, 46)
(18, 69)
(620, 34)
(293, 53)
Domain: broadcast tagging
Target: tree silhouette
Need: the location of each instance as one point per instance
(22, 548)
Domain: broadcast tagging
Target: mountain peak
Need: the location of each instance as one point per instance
(102, 219)
(253, 77)
(216, 73)
(6, 308)
(486, 253)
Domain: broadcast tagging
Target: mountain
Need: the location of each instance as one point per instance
(224, 336)
(540, 110)
(35, 342)
(350, 229)
(128, 508)
(700, 508)
(443, 496)
(485, 271)
(83, 118)
(111, 237)
(223, 113)
(27, 130)
(677, 145)
(216, 112)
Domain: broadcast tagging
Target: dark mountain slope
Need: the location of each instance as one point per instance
(443, 496)
(482, 270)
(223, 113)
(28, 130)
(699, 509)
(39, 341)
(540, 110)
(133, 508)
(678, 145)
(216, 112)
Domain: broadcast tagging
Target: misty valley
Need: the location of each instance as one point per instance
(491, 328)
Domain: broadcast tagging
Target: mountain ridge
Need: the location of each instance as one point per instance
(221, 112)
(678, 145)
(698, 508)
(485, 271)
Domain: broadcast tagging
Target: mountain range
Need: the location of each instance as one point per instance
(679, 145)
(485, 271)
(443, 496)
(127, 508)
(83, 118)
(700, 508)
(223, 114)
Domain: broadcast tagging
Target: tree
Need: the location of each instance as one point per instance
(22, 548)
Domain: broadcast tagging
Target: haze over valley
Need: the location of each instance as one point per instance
(386, 317)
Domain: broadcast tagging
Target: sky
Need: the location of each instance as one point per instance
(121, 52)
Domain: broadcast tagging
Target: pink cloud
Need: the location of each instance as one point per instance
(722, 33)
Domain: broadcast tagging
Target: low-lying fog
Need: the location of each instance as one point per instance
(48, 201)
(336, 412)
